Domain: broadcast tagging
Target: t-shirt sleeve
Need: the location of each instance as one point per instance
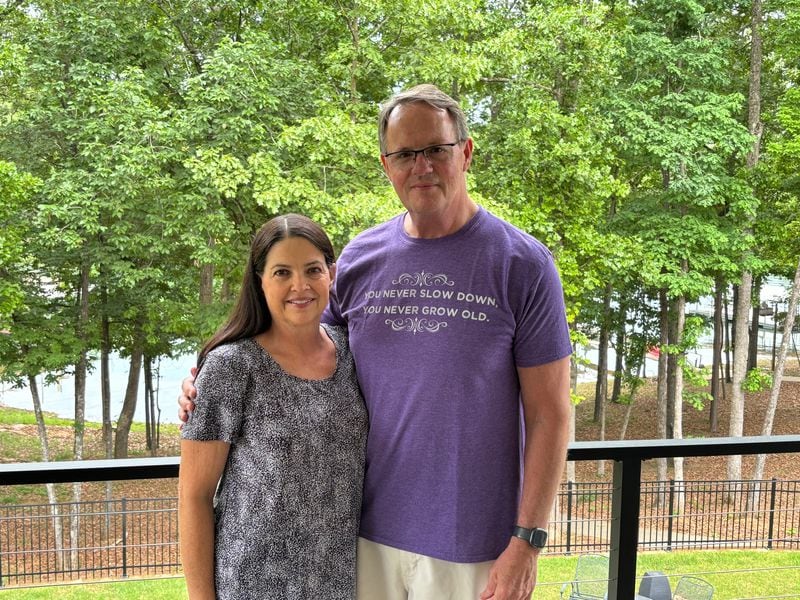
(333, 313)
(219, 406)
(542, 333)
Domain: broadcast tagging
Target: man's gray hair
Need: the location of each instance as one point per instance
(429, 94)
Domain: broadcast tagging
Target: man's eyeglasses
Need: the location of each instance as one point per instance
(437, 153)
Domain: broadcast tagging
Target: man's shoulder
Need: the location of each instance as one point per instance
(376, 236)
(377, 231)
(515, 240)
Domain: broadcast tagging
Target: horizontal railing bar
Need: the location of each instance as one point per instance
(166, 467)
(649, 449)
(89, 470)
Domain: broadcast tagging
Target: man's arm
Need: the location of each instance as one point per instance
(546, 406)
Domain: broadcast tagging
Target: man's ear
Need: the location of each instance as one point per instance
(467, 154)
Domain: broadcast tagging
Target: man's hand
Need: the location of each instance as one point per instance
(186, 397)
(513, 575)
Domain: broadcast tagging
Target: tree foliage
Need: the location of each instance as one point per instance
(142, 144)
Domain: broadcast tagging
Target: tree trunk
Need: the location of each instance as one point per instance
(752, 351)
(742, 308)
(627, 418)
(80, 408)
(148, 434)
(661, 417)
(672, 367)
(207, 280)
(777, 376)
(573, 375)
(82, 364)
(679, 310)
(716, 361)
(105, 386)
(601, 386)
(105, 401)
(571, 463)
(726, 330)
(619, 366)
(754, 125)
(601, 464)
(740, 349)
(150, 407)
(129, 404)
(41, 428)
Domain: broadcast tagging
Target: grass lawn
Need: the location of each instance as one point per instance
(172, 588)
(735, 574)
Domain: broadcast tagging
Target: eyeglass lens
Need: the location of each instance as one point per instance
(436, 153)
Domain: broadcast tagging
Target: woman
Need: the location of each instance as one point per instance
(272, 456)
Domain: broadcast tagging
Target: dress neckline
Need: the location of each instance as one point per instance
(286, 373)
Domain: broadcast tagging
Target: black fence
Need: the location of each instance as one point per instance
(627, 489)
(674, 515)
(139, 537)
(115, 539)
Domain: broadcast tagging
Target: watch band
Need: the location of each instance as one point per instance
(536, 537)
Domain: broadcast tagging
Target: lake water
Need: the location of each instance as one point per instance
(60, 398)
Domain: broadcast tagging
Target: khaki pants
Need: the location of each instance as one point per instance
(386, 573)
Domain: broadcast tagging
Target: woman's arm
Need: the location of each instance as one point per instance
(201, 467)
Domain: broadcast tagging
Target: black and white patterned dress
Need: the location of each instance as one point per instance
(287, 506)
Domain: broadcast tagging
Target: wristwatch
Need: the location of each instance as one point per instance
(536, 537)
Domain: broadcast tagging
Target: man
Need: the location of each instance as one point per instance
(457, 325)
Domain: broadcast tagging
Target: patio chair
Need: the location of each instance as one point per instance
(693, 588)
(591, 579)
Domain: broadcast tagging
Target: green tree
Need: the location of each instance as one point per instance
(678, 135)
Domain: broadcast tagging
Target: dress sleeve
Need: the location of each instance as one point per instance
(221, 390)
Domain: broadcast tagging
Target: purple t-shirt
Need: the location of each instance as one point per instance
(437, 328)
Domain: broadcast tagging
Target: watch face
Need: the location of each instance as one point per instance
(536, 537)
(539, 538)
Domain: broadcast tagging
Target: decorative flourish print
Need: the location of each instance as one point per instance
(415, 326)
(423, 279)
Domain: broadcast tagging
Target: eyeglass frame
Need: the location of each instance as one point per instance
(422, 151)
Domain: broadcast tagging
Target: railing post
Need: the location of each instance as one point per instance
(570, 485)
(671, 512)
(624, 528)
(124, 538)
(773, 489)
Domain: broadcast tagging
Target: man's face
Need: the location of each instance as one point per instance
(427, 189)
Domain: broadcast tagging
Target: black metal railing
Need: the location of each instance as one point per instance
(624, 494)
(746, 514)
(114, 539)
(628, 457)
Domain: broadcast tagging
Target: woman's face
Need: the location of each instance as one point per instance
(296, 283)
